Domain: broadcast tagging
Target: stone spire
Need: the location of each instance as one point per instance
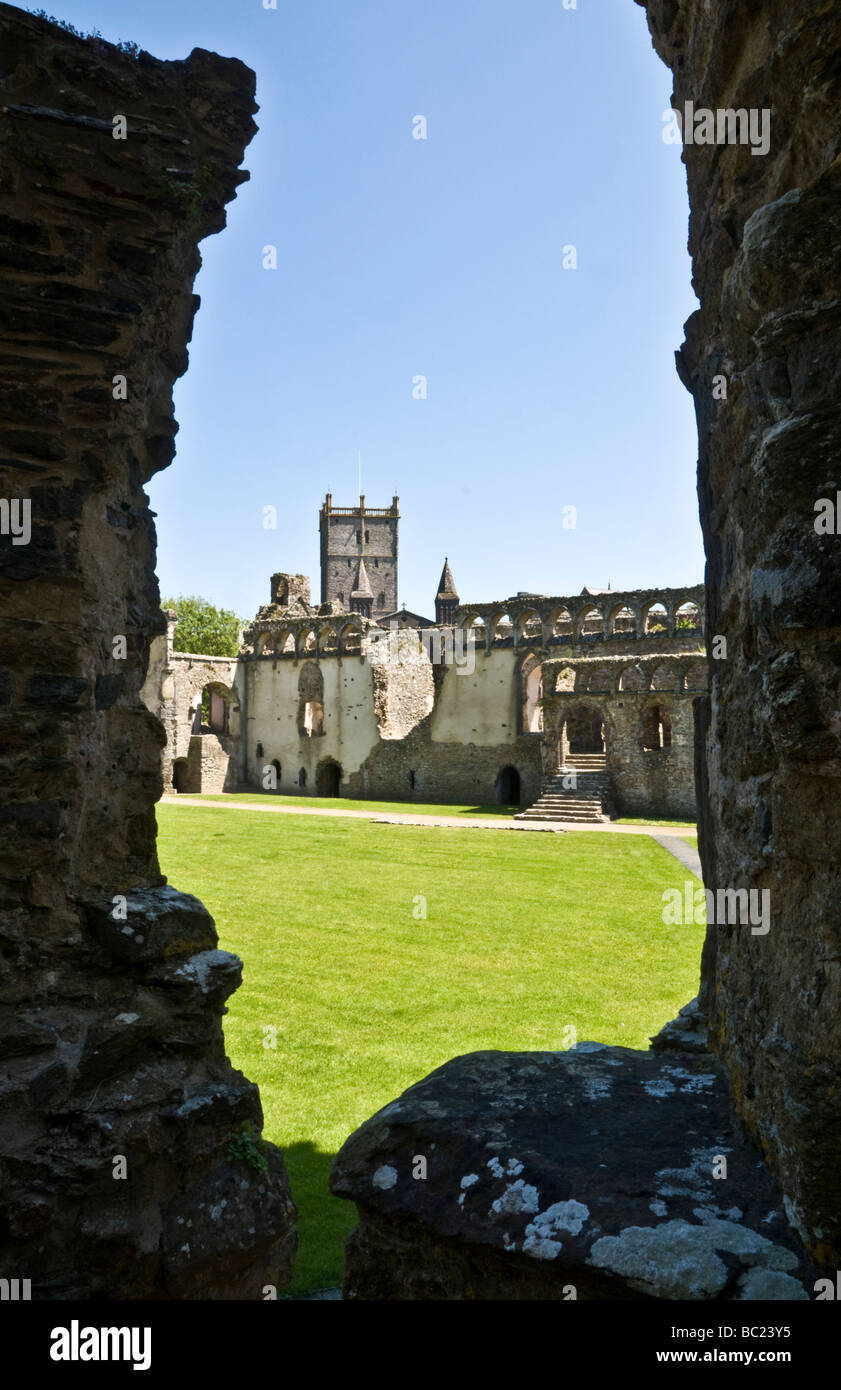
(362, 595)
(446, 600)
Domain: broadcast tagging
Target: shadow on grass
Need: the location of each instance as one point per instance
(323, 1221)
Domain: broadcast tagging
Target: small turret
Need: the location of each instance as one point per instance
(446, 599)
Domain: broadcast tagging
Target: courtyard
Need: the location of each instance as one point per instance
(373, 953)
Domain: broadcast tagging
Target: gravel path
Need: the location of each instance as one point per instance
(658, 832)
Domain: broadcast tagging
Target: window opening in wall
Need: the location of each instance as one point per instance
(532, 703)
(313, 719)
(302, 777)
(656, 619)
(656, 728)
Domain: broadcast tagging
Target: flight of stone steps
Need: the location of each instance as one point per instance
(584, 802)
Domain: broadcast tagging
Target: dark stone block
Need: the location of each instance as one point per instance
(45, 689)
(108, 690)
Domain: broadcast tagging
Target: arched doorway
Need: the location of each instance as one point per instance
(585, 730)
(179, 774)
(507, 786)
(328, 778)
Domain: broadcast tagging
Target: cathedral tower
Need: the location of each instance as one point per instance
(359, 556)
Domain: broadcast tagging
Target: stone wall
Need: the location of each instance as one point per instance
(113, 988)
(764, 237)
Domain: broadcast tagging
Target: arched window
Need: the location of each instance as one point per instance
(502, 631)
(532, 694)
(697, 676)
(688, 618)
(310, 700)
(633, 678)
(656, 620)
(531, 628)
(213, 713)
(623, 621)
(476, 632)
(561, 623)
(665, 677)
(313, 718)
(591, 623)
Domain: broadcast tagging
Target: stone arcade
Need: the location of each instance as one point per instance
(101, 255)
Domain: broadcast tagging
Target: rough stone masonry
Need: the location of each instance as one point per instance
(131, 1163)
(765, 238)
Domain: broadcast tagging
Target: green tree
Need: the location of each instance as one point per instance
(203, 628)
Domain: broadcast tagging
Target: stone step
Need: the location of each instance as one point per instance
(568, 804)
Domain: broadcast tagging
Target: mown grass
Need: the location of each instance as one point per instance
(524, 936)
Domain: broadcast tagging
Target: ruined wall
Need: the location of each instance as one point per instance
(448, 772)
(764, 238)
(404, 687)
(380, 727)
(271, 702)
(112, 987)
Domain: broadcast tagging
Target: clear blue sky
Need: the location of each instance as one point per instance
(443, 257)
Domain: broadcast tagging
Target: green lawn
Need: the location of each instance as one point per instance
(334, 803)
(525, 935)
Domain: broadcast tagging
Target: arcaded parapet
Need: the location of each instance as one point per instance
(766, 247)
(119, 1176)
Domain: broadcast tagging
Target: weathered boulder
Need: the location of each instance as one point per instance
(130, 1159)
(587, 1174)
